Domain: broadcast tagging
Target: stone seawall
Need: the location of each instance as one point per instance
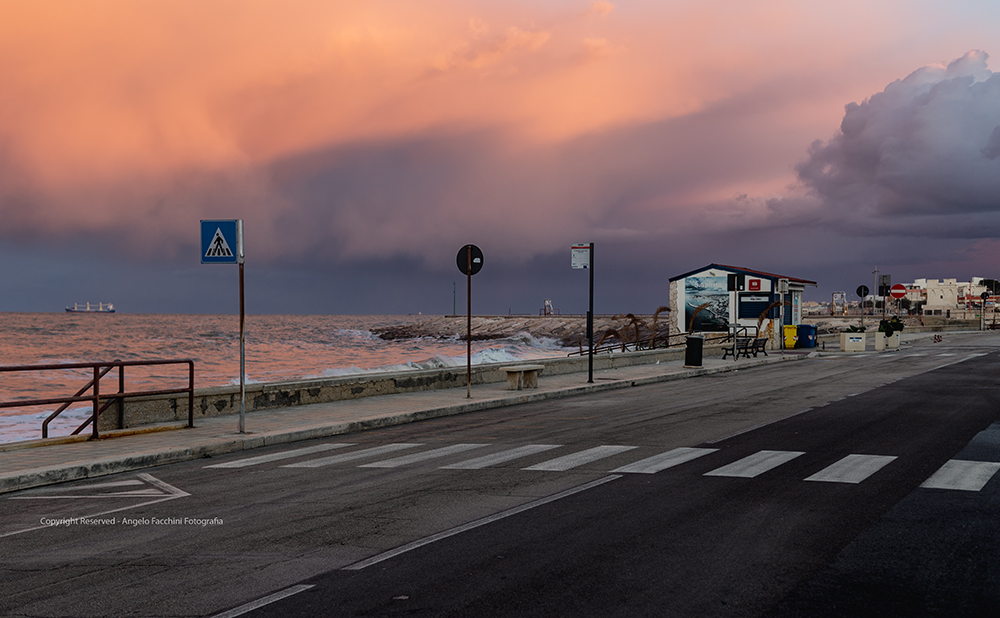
(223, 400)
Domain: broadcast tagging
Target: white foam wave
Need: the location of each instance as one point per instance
(16, 426)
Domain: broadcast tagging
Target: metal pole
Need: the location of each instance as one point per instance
(121, 400)
(874, 292)
(243, 338)
(468, 331)
(190, 394)
(97, 398)
(590, 322)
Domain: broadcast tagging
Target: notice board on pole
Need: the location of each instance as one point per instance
(580, 255)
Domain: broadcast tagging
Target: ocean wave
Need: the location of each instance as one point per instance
(28, 425)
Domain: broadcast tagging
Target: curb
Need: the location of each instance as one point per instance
(51, 475)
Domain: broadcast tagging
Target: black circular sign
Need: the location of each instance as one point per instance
(862, 291)
(463, 259)
(984, 295)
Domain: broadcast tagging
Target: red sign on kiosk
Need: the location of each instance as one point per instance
(755, 285)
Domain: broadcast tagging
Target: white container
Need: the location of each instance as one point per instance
(892, 342)
(879, 341)
(852, 342)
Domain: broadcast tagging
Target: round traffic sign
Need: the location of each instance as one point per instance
(862, 291)
(470, 259)
(897, 291)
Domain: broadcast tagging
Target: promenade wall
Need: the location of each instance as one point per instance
(223, 400)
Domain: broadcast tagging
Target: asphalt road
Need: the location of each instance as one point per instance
(791, 490)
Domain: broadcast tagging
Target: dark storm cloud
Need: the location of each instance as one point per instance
(917, 159)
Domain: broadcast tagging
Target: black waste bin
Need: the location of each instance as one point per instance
(692, 355)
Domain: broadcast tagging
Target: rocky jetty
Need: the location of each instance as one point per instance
(569, 331)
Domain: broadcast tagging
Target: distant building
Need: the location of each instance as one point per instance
(730, 295)
(948, 297)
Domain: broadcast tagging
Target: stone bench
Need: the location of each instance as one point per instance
(522, 376)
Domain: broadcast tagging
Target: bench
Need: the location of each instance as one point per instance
(522, 376)
(740, 347)
(759, 345)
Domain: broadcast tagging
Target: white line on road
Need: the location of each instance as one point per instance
(271, 598)
(501, 457)
(171, 491)
(392, 553)
(406, 460)
(561, 464)
(852, 469)
(756, 464)
(656, 463)
(253, 461)
(366, 452)
(962, 475)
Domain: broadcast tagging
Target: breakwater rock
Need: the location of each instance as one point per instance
(569, 331)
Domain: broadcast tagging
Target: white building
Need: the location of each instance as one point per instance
(945, 297)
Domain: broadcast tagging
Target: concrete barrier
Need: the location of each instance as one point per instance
(224, 400)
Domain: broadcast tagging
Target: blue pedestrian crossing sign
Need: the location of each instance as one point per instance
(222, 241)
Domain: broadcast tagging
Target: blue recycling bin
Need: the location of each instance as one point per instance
(807, 336)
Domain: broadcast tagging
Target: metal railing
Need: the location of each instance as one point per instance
(100, 370)
(661, 342)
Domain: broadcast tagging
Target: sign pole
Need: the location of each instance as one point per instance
(218, 237)
(470, 261)
(468, 323)
(243, 337)
(590, 322)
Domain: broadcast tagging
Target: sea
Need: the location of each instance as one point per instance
(278, 348)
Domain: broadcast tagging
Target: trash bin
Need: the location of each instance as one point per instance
(807, 336)
(791, 336)
(692, 355)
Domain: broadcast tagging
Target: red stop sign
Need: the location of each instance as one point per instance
(897, 291)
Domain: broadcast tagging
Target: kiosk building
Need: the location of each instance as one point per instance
(733, 295)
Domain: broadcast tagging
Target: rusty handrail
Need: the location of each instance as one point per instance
(95, 383)
(79, 393)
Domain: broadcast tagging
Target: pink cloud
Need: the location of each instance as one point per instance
(406, 125)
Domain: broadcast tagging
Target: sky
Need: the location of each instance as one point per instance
(363, 143)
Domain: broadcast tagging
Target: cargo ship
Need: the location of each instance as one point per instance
(91, 308)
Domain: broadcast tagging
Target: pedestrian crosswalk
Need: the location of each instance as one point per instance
(962, 475)
(754, 465)
(853, 468)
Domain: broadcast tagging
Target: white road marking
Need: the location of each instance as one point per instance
(406, 460)
(501, 457)
(253, 461)
(271, 598)
(168, 492)
(852, 469)
(656, 463)
(392, 553)
(61, 490)
(375, 451)
(962, 475)
(561, 464)
(755, 464)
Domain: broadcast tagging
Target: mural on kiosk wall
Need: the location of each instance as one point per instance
(711, 290)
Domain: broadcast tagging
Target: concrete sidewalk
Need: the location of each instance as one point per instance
(22, 467)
